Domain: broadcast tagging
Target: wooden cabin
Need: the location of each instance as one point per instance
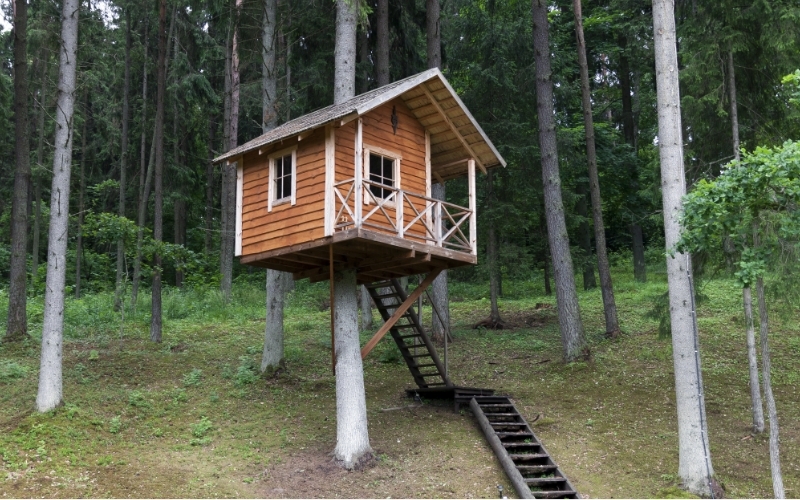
(350, 184)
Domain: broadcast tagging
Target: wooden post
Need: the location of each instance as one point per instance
(429, 215)
(333, 344)
(359, 188)
(398, 211)
(437, 222)
(239, 194)
(473, 242)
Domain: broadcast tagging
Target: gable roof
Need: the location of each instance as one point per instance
(455, 135)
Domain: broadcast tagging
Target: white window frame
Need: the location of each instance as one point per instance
(272, 192)
(397, 157)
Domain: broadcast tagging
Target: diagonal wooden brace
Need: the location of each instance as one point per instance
(399, 312)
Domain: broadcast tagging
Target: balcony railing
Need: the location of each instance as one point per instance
(403, 214)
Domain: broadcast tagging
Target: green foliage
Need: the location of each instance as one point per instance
(246, 373)
(11, 370)
(199, 431)
(193, 378)
(115, 425)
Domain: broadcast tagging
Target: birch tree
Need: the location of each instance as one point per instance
(569, 314)
(352, 436)
(50, 392)
(17, 323)
(694, 466)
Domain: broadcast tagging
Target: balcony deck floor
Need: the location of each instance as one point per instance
(374, 255)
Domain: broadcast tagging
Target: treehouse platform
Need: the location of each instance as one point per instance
(350, 185)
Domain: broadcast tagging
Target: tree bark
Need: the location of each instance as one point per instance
(363, 59)
(272, 356)
(774, 441)
(209, 213)
(366, 309)
(603, 266)
(344, 85)
(81, 197)
(143, 181)
(352, 436)
(752, 361)
(569, 314)
(585, 237)
(433, 34)
(50, 391)
(734, 107)
(37, 178)
(17, 323)
(491, 255)
(123, 158)
(382, 43)
(694, 467)
(229, 169)
(439, 291)
(639, 264)
(158, 189)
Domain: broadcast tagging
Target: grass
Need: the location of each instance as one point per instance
(193, 418)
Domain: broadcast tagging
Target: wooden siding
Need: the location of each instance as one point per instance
(409, 143)
(287, 224)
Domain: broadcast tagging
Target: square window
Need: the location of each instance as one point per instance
(381, 171)
(283, 178)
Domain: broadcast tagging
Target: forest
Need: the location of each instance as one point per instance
(635, 292)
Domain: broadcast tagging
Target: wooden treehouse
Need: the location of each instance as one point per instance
(349, 187)
(356, 178)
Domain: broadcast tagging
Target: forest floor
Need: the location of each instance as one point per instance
(191, 418)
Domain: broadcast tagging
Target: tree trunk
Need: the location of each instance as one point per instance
(352, 436)
(752, 361)
(694, 467)
(37, 179)
(81, 197)
(272, 357)
(366, 310)
(639, 264)
(17, 323)
(603, 266)
(229, 169)
(363, 60)
(179, 230)
(123, 158)
(569, 314)
(628, 119)
(49, 393)
(433, 34)
(209, 214)
(382, 43)
(491, 255)
(158, 191)
(585, 237)
(439, 291)
(344, 85)
(774, 441)
(143, 180)
(734, 106)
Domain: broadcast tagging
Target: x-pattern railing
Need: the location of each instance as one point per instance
(424, 212)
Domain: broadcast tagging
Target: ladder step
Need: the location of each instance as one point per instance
(508, 424)
(528, 456)
(544, 480)
(492, 405)
(420, 355)
(498, 414)
(435, 374)
(522, 434)
(556, 494)
(428, 365)
(534, 469)
(521, 445)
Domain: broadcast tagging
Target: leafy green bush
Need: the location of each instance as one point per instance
(199, 431)
(11, 370)
(247, 373)
(193, 378)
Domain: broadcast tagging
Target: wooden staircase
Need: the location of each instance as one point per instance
(414, 344)
(523, 457)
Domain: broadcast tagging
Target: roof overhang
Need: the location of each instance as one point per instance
(454, 134)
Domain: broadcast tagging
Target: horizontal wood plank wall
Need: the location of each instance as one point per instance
(409, 143)
(286, 225)
(345, 150)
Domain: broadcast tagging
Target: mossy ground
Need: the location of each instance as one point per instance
(190, 418)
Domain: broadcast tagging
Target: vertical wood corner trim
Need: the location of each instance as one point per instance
(239, 195)
(330, 176)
